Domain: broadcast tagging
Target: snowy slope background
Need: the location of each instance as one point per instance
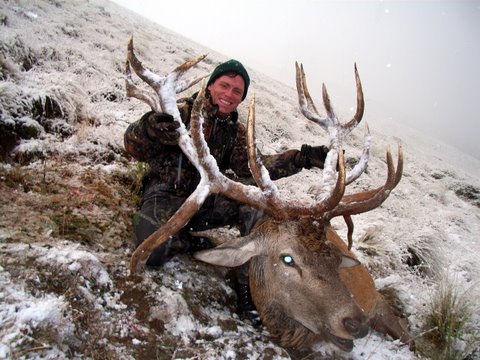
(66, 203)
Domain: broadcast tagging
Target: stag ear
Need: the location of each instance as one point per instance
(348, 262)
(233, 253)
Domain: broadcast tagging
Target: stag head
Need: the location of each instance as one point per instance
(295, 282)
(295, 266)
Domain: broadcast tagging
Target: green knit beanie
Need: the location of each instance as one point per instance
(231, 66)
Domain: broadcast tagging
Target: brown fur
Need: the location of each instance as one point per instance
(320, 247)
(359, 282)
(326, 300)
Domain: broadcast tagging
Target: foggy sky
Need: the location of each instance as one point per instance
(419, 60)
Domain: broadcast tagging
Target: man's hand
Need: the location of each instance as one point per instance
(162, 127)
(311, 156)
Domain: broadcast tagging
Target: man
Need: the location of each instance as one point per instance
(172, 178)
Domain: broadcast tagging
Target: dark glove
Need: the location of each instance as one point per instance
(161, 127)
(311, 156)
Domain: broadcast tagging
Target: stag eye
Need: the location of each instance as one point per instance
(287, 260)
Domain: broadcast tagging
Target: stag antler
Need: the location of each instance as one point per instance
(266, 196)
(360, 202)
(337, 132)
(162, 86)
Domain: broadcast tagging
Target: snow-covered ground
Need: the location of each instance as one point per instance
(66, 203)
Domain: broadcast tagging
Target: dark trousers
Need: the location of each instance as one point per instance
(217, 211)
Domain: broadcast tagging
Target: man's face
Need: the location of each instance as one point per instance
(227, 93)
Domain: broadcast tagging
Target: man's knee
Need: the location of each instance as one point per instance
(153, 214)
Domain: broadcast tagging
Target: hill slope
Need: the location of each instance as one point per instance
(67, 195)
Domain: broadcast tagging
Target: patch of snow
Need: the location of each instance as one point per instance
(76, 260)
(21, 314)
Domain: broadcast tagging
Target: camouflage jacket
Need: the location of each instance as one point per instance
(170, 170)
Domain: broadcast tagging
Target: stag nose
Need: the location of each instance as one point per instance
(356, 327)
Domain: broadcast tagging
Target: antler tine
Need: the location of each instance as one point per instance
(307, 107)
(362, 163)
(196, 126)
(259, 172)
(206, 164)
(143, 73)
(369, 200)
(140, 94)
(310, 102)
(181, 69)
(360, 103)
(336, 195)
(328, 106)
(184, 85)
(398, 175)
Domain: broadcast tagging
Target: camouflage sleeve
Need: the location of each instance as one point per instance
(278, 165)
(281, 165)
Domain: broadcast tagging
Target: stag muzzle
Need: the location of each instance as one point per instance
(356, 328)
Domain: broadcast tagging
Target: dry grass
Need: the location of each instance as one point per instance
(449, 332)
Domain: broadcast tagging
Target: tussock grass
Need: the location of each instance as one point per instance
(450, 332)
(136, 172)
(426, 256)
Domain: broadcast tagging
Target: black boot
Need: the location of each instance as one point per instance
(174, 246)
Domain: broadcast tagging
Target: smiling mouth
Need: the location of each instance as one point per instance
(224, 102)
(343, 344)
